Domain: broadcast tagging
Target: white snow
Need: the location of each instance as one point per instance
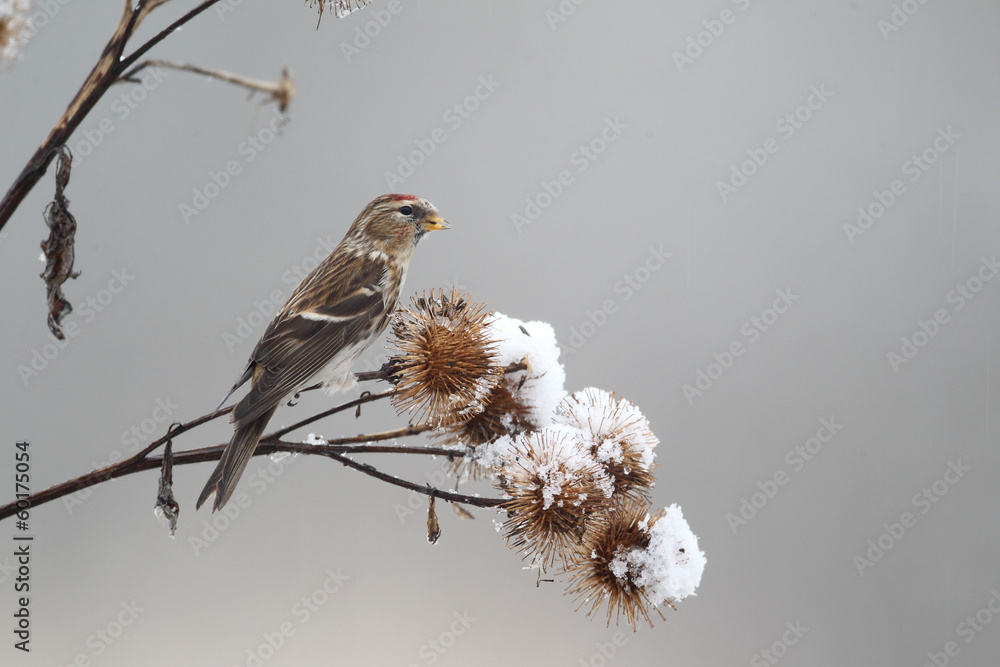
(543, 389)
(610, 451)
(670, 568)
(495, 454)
(558, 460)
(563, 464)
(462, 406)
(609, 423)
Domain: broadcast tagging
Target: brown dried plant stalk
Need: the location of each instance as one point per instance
(281, 91)
(113, 66)
(336, 449)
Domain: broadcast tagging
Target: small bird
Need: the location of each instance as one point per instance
(333, 315)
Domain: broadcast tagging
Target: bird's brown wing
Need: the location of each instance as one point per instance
(340, 304)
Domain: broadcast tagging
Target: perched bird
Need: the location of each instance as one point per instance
(333, 315)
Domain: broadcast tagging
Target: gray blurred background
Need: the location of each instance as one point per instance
(878, 546)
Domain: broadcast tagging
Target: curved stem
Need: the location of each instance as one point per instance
(366, 397)
(271, 443)
(160, 36)
(109, 67)
(335, 448)
(419, 488)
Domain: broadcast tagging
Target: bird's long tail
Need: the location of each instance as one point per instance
(234, 461)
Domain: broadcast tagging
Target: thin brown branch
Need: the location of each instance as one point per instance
(177, 430)
(163, 34)
(269, 444)
(428, 490)
(139, 461)
(281, 91)
(336, 451)
(363, 440)
(350, 445)
(109, 67)
(361, 400)
(383, 373)
(335, 448)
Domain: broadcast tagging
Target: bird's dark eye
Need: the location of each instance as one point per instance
(406, 210)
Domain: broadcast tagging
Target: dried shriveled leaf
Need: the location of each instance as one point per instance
(167, 509)
(58, 248)
(433, 527)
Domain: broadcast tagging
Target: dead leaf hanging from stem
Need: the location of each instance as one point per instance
(58, 248)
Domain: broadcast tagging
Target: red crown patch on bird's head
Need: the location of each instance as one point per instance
(403, 197)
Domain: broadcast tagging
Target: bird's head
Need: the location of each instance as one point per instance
(395, 223)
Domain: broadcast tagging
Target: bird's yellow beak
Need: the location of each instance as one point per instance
(433, 223)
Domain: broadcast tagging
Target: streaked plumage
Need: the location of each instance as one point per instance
(333, 315)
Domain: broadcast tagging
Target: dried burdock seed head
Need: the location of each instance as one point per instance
(445, 361)
(503, 414)
(617, 435)
(531, 388)
(633, 562)
(554, 490)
